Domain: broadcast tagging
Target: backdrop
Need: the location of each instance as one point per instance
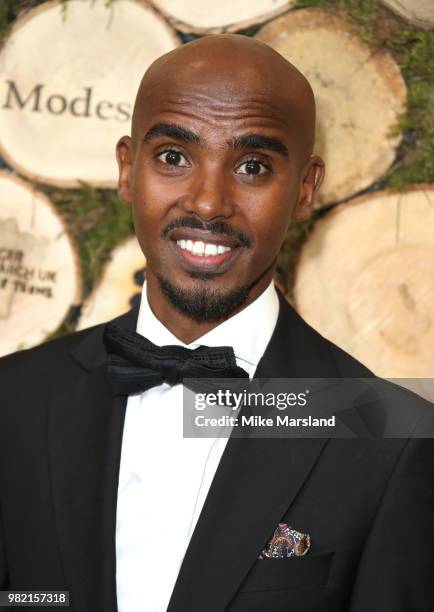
(361, 270)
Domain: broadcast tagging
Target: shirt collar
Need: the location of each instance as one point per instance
(248, 332)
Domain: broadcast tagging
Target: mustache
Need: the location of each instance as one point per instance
(214, 227)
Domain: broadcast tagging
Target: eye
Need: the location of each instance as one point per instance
(173, 158)
(252, 167)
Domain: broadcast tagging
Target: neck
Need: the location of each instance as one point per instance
(180, 325)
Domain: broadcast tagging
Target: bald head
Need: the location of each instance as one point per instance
(230, 68)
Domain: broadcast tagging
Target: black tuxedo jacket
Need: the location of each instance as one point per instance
(366, 503)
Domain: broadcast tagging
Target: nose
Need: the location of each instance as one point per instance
(209, 194)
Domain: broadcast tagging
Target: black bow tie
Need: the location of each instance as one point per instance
(136, 364)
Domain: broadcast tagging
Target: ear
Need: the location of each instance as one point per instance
(124, 156)
(312, 176)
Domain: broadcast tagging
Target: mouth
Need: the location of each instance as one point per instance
(199, 249)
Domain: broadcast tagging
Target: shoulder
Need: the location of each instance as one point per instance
(49, 354)
(27, 376)
(388, 405)
(85, 345)
(347, 365)
(321, 355)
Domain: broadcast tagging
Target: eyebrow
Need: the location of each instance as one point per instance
(257, 141)
(172, 130)
(249, 141)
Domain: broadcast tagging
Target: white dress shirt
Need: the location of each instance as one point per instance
(164, 478)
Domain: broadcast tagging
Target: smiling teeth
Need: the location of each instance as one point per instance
(197, 247)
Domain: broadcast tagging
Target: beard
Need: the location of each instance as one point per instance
(203, 304)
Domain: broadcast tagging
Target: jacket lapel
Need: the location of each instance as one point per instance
(85, 432)
(255, 483)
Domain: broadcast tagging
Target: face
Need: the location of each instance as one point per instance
(215, 176)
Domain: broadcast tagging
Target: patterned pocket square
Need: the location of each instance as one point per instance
(286, 542)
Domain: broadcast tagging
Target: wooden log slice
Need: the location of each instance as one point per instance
(120, 285)
(359, 95)
(365, 280)
(202, 17)
(419, 13)
(39, 270)
(68, 85)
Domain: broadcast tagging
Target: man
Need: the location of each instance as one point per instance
(100, 494)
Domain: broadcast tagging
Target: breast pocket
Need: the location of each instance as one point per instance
(292, 572)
